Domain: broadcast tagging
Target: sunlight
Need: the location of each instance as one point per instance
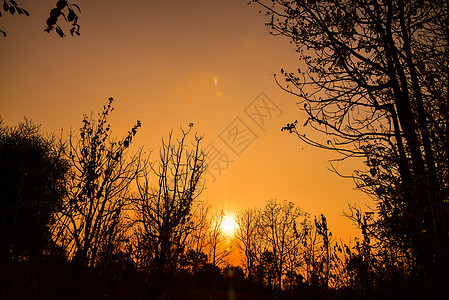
(228, 225)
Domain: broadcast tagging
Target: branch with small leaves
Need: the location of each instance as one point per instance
(68, 12)
(11, 6)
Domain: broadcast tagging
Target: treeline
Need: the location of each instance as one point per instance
(91, 202)
(87, 217)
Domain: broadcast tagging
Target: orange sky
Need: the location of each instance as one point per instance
(169, 63)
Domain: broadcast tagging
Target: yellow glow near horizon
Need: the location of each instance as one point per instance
(228, 225)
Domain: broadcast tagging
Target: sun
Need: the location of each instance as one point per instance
(228, 225)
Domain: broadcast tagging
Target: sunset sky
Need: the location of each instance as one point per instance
(167, 64)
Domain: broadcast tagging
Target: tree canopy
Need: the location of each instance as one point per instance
(32, 186)
(373, 79)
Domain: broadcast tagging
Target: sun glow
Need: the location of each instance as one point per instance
(228, 225)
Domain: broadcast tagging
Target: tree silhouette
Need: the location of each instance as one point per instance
(248, 239)
(376, 84)
(267, 269)
(91, 220)
(277, 226)
(166, 192)
(197, 242)
(32, 186)
(317, 251)
(219, 245)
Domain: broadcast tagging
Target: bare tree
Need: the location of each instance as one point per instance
(283, 248)
(277, 226)
(197, 241)
(317, 249)
(219, 244)
(166, 193)
(248, 239)
(91, 219)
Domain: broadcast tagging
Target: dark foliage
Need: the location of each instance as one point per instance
(11, 7)
(373, 80)
(67, 11)
(32, 186)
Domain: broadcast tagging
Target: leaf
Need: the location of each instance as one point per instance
(4, 33)
(12, 10)
(55, 13)
(373, 172)
(71, 16)
(60, 32)
(5, 6)
(51, 21)
(61, 4)
(26, 12)
(13, 2)
(76, 7)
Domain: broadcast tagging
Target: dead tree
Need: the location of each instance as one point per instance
(166, 193)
